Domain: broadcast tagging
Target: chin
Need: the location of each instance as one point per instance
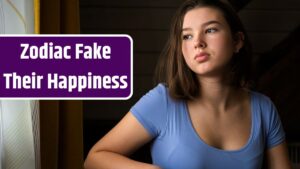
(210, 73)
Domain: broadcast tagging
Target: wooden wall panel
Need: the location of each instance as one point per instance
(274, 4)
(130, 3)
(144, 63)
(127, 18)
(143, 40)
(264, 41)
(270, 20)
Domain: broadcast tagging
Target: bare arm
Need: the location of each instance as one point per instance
(112, 150)
(277, 157)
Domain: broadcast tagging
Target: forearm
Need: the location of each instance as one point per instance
(110, 160)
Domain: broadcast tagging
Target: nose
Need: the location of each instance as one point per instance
(199, 42)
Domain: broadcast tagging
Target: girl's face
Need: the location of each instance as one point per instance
(207, 42)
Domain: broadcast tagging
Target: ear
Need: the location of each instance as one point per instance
(238, 41)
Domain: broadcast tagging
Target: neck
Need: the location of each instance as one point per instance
(216, 95)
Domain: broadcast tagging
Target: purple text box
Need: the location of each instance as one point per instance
(66, 67)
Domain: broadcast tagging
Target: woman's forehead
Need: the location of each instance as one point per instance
(202, 15)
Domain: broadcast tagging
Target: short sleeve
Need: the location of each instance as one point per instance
(151, 110)
(275, 133)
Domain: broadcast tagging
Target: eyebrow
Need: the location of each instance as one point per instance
(203, 25)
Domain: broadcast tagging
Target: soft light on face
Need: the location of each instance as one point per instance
(207, 42)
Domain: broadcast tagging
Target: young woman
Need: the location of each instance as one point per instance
(201, 115)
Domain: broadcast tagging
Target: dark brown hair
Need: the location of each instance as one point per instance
(172, 69)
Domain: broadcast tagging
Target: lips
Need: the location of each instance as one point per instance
(201, 57)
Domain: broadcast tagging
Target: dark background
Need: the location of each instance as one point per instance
(273, 27)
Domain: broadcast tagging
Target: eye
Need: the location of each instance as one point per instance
(187, 37)
(211, 30)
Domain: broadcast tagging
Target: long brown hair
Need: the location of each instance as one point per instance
(172, 69)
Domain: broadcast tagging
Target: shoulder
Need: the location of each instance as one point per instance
(156, 102)
(272, 127)
(261, 100)
(157, 95)
(270, 117)
(153, 108)
(260, 96)
(265, 108)
(160, 89)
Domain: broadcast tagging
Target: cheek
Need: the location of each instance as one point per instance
(186, 53)
(186, 50)
(225, 46)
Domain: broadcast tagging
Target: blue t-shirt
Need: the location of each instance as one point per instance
(176, 144)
